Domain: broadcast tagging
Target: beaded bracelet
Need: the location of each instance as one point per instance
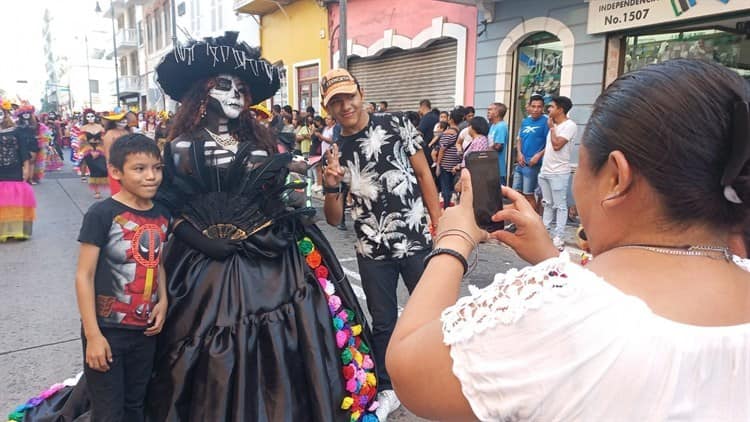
(445, 251)
(465, 236)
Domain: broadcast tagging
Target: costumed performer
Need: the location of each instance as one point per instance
(92, 154)
(262, 324)
(17, 200)
(162, 129)
(32, 133)
(90, 129)
(115, 126)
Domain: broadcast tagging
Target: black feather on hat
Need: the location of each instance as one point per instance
(196, 60)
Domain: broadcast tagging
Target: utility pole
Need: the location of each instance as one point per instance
(174, 24)
(342, 35)
(88, 71)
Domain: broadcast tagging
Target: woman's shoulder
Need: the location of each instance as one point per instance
(553, 283)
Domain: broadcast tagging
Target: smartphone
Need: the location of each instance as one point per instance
(485, 182)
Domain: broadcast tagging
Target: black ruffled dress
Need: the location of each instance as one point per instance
(274, 332)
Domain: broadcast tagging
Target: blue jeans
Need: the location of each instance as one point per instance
(447, 181)
(555, 201)
(379, 281)
(525, 179)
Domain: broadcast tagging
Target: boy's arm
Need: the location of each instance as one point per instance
(98, 353)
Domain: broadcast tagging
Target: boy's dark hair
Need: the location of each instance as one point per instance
(446, 113)
(374, 106)
(287, 108)
(425, 103)
(536, 97)
(457, 115)
(310, 110)
(132, 143)
(277, 108)
(563, 102)
(385, 103)
(480, 125)
(469, 109)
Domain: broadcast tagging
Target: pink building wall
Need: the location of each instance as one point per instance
(367, 19)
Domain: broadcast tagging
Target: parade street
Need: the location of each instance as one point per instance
(41, 344)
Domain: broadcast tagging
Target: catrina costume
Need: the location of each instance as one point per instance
(92, 154)
(17, 200)
(273, 332)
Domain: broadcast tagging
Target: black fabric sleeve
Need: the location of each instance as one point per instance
(96, 225)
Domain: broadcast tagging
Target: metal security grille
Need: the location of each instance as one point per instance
(404, 77)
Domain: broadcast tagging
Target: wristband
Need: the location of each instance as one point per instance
(336, 189)
(445, 251)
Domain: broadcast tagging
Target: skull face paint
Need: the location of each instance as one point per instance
(121, 124)
(228, 95)
(90, 118)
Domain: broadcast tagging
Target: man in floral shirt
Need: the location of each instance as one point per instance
(390, 184)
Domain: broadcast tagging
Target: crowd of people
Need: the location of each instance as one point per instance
(206, 291)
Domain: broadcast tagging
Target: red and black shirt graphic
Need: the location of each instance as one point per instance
(127, 276)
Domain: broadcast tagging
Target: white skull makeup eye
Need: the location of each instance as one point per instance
(26, 116)
(90, 117)
(121, 124)
(223, 84)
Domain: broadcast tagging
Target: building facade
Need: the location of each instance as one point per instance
(405, 51)
(294, 36)
(576, 47)
(195, 19)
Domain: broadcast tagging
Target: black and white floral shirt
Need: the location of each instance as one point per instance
(388, 211)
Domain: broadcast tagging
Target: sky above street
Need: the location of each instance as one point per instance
(22, 25)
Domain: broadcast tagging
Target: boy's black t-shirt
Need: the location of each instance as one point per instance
(130, 243)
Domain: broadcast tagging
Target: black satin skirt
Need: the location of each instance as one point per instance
(246, 339)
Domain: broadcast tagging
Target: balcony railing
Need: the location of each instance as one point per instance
(130, 85)
(127, 39)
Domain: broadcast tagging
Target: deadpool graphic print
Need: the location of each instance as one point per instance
(127, 274)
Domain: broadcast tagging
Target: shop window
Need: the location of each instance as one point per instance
(538, 66)
(307, 86)
(722, 46)
(281, 97)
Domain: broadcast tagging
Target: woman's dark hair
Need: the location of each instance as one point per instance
(287, 108)
(675, 123)
(132, 143)
(480, 125)
(318, 121)
(469, 109)
(310, 110)
(245, 128)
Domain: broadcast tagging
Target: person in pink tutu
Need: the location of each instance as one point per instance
(17, 201)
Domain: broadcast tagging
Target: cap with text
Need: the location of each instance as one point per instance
(337, 81)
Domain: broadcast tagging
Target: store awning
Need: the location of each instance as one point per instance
(260, 7)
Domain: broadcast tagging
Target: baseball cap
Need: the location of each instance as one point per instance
(337, 81)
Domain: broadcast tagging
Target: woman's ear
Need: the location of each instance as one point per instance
(617, 177)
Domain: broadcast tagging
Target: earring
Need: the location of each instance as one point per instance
(203, 109)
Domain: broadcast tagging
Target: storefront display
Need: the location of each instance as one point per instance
(728, 48)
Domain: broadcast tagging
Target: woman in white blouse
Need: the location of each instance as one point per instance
(656, 327)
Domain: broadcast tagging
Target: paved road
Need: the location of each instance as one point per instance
(40, 343)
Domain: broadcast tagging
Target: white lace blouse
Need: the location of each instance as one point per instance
(555, 342)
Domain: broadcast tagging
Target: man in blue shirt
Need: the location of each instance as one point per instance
(498, 136)
(530, 144)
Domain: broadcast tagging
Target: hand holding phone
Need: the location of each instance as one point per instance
(486, 188)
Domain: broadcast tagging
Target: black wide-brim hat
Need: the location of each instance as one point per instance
(197, 60)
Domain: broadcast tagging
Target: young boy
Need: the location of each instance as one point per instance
(120, 282)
